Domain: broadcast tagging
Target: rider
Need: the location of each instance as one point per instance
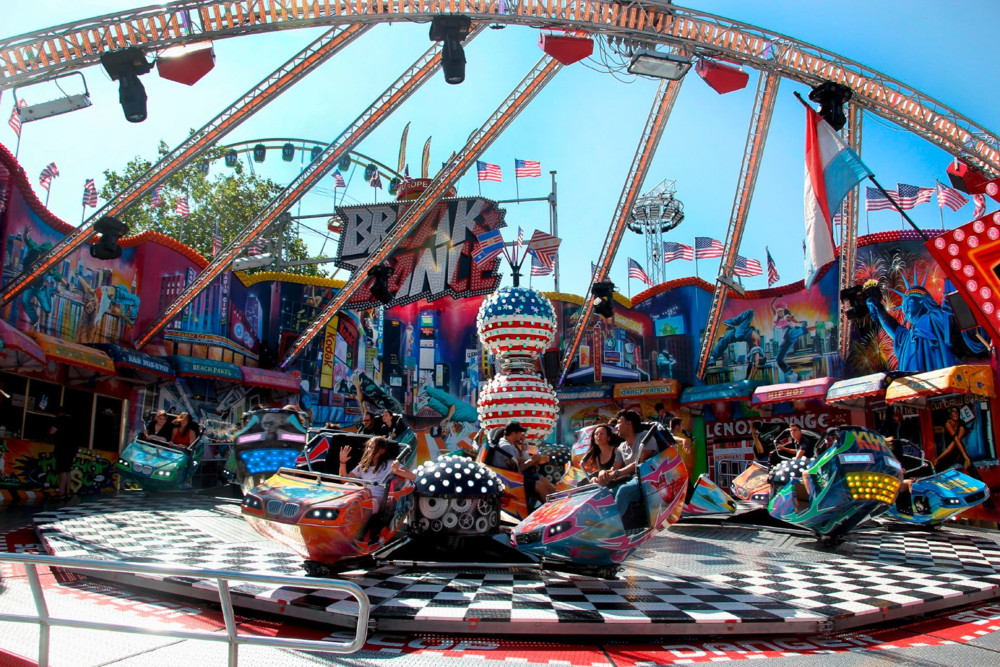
(797, 447)
(514, 450)
(374, 469)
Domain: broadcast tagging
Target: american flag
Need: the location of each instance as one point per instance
(488, 245)
(950, 197)
(635, 271)
(488, 172)
(15, 119)
(376, 180)
(772, 270)
(980, 206)
(876, 201)
(911, 195)
(543, 248)
(527, 169)
(338, 179)
(539, 268)
(707, 248)
(672, 251)
(89, 193)
(50, 172)
(746, 268)
(256, 246)
(216, 244)
(182, 209)
(157, 199)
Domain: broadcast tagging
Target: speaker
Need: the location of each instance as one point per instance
(967, 179)
(551, 365)
(964, 316)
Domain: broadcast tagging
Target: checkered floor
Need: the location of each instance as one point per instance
(788, 590)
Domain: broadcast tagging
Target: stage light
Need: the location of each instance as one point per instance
(125, 66)
(732, 283)
(604, 301)
(831, 98)
(857, 297)
(659, 65)
(380, 275)
(451, 29)
(252, 262)
(110, 229)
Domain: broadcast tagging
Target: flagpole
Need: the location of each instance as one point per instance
(17, 148)
(892, 201)
(480, 184)
(83, 213)
(48, 191)
(696, 258)
(517, 183)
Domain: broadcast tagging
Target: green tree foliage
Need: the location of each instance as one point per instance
(229, 197)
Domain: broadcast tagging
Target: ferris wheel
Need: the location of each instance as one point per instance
(658, 39)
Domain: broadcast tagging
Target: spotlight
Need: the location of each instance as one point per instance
(604, 301)
(125, 66)
(831, 98)
(659, 65)
(857, 297)
(110, 229)
(380, 275)
(452, 29)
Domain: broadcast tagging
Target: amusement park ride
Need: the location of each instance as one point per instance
(294, 494)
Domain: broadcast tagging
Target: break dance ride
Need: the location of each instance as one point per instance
(157, 465)
(270, 439)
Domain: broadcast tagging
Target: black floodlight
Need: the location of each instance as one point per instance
(451, 29)
(831, 98)
(110, 229)
(604, 300)
(380, 275)
(125, 66)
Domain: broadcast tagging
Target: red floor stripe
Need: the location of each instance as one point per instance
(8, 659)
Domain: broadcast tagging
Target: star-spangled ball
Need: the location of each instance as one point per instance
(516, 321)
(520, 397)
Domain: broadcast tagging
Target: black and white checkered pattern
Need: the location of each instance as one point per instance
(875, 572)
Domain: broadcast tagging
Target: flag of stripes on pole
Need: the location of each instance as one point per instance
(527, 169)
(157, 199)
(89, 193)
(488, 172)
(911, 195)
(980, 206)
(543, 248)
(216, 244)
(672, 251)
(538, 268)
(772, 270)
(746, 268)
(338, 179)
(15, 118)
(376, 181)
(182, 209)
(48, 173)
(707, 248)
(635, 271)
(950, 197)
(488, 245)
(876, 201)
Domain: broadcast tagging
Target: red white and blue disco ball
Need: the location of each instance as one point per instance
(516, 321)
(520, 397)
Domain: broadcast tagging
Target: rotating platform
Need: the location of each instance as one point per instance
(695, 579)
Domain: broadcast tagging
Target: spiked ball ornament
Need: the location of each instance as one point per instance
(521, 397)
(791, 470)
(457, 496)
(516, 321)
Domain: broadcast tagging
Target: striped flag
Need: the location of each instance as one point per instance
(376, 180)
(911, 195)
(772, 270)
(672, 251)
(527, 169)
(980, 206)
(182, 209)
(745, 268)
(707, 248)
(89, 193)
(50, 172)
(520, 239)
(635, 271)
(876, 201)
(488, 245)
(338, 179)
(950, 197)
(157, 199)
(543, 248)
(15, 118)
(216, 244)
(488, 172)
(538, 268)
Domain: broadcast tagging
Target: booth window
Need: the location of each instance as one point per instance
(79, 406)
(41, 406)
(107, 423)
(12, 391)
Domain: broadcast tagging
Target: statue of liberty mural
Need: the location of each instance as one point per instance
(927, 339)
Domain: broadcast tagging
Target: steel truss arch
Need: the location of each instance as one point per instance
(45, 53)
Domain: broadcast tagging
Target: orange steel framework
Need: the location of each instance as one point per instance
(409, 82)
(45, 53)
(526, 90)
(666, 95)
(280, 80)
(849, 233)
(767, 92)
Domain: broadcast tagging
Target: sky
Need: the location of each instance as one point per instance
(585, 125)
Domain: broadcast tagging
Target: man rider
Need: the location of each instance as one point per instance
(630, 453)
(514, 452)
(798, 447)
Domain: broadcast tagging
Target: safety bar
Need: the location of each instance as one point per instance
(222, 579)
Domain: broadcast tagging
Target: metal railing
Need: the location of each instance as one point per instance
(222, 579)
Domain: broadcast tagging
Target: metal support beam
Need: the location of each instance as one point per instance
(397, 93)
(760, 121)
(849, 235)
(663, 104)
(280, 80)
(526, 90)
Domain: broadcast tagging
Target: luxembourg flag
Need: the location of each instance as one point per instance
(832, 170)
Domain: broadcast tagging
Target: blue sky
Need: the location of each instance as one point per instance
(585, 125)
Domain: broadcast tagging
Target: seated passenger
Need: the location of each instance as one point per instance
(637, 446)
(185, 431)
(600, 457)
(370, 425)
(374, 467)
(797, 446)
(513, 450)
(394, 425)
(159, 427)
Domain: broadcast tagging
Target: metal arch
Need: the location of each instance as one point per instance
(248, 146)
(663, 104)
(849, 235)
(408, 82)
(519, 98)
(760, 121)
(281, 79)
(45, 53)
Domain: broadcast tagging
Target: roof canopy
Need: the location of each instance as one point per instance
(86, 360)
(260, 377)
(792, 391)
(17, 350)
(717, 393)
(917, 389)
(144, 366)
(853, 392)
(205, 368)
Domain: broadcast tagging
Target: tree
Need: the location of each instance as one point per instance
(225, 200)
